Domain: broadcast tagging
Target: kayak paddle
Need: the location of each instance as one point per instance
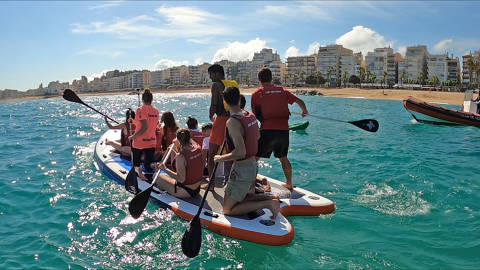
(370, 125)
(139, 202)
(192, 238)
(69, 95)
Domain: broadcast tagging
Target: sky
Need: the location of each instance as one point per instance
(45, 41)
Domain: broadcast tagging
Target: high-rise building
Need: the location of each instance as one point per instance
(179, 75)
(453, 69)
(300, 67)
(198, 74)
(379, 61)
(159, 78)
(338, 60)
(415, 61)
(437, 66)
(467, 70)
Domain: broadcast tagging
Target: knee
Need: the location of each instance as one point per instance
(227, 210)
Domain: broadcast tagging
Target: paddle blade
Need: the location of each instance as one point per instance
(131, 181)
(366, 124)
(192, 238)
(71, 96)
(139, 202)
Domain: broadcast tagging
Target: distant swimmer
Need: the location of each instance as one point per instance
(127, 129)
(144, 139)
(270, 105)
(185, 182)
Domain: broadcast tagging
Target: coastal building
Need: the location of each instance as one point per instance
(267, 58)
(96, 85)
(379, 61)
(112, 73)
(243, 71)
(198, 74)
(179, 75)
(335, 61)
(357, 63)
(300, 67)
(80, 85)
(228, 67)
(415, 61)
(437, 66)
(159, 78)
(468, 73)
(453, 69)
(116, 83)
(56, 87)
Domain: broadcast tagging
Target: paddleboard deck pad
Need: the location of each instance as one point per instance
(255, 226)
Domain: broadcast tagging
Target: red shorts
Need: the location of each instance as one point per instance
(218, 131)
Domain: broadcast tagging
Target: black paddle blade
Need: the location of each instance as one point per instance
(192, 238)
(71, 96)
(139, 202)
(366, 124)
(131, 181)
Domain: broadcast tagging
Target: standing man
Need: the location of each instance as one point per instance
(217, 75)
(270, 105)
(242, 139)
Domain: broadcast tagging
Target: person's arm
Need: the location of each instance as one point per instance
(302, 106)
(235, 132)
(110, 126)
(216, 92)
(181, 165)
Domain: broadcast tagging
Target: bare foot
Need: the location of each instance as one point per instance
(274, 208)
(290, 187)
(205, 186)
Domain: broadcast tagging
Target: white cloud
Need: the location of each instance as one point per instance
(240, 51)
(402, 50)
(97, 75)
(111, 54)
(313, 48)
(106, 5)
(442, 45)
(168, 63)
(168, 22)
(300, 10)
(362, 39)
(291, 52)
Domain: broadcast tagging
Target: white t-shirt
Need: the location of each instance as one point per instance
(220, 169)
(205, 143)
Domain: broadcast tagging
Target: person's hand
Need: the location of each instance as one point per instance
(212, 118)
(162, 166)
(217, 158)
(304, 113)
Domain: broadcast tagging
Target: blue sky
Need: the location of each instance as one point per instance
(46, 41)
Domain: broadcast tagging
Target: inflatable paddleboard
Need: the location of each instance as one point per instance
(255, 227)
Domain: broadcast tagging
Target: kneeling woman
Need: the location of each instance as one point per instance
(189, 162)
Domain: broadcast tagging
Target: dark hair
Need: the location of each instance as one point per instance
(183, 136)
(231, 95)
(216, 68)
(192, 123)
(147, 96)
(265, 75)
(128, 114)
(169, 123)
(243, 101)
(207, 126)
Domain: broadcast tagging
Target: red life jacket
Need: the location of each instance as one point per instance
(195, 165)
(274, 103)
(124, 141)
(197, 136)
(164, 141)
(250, 126)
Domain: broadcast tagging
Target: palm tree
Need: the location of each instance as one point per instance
(402, 76)
(421, 78)
(435, 81)
(384, 78)
(317, 74)
(247, 78)
(345, 78)
(329, 74)
(361, 75)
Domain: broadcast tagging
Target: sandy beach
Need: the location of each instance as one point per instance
(453, 98)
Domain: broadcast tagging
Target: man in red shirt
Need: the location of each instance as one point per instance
(270, 106)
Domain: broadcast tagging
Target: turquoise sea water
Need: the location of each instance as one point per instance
(406, 196)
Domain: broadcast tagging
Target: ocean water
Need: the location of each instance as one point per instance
(407, 197)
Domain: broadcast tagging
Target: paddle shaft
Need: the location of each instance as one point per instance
(210, 182)
(100, 112)
(71, 96)
(322, 117)
(163, 161)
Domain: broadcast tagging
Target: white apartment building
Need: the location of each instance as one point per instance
(244, 72)
(379, 61)
(80, 85)
(414, 62)
(56, 87)
(465, 71)
(116, 83)
(301, 66)
(228, 67)
(159, 78)
(96, 85)
(453, 69)
(198, 74)
(437, 66)
(337, 57)
(138, 80)
(357, 63)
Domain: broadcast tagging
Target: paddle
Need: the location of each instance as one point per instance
(131, 184)
(370, 125)
(192, 238)
(139, 202)
(69, 95)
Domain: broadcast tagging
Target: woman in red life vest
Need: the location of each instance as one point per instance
(195, 134)
(165, 134)
(185, 182)
(128, 128)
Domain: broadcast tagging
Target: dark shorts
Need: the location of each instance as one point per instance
(148, 158)
(276, 141)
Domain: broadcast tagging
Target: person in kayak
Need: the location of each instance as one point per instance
(144, 139)
(270, 106)
(195, 134)
(242, 136)
(185, 182)
(127, 129)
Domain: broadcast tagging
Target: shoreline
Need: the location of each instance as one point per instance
(450, 98)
